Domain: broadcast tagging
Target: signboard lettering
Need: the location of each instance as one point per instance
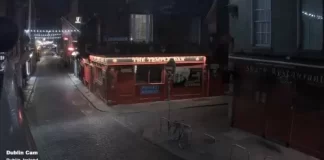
(109, 60)
(157, 59)
(145, 90)
(283, 73)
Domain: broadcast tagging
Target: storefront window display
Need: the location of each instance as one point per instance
(187, 77)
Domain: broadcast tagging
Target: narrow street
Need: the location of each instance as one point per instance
(66, 127)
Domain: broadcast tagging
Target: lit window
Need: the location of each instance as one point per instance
(141, 27)
(262, 23)
(99, 75)
(312, 24)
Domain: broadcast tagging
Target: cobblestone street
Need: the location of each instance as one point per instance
(66, 127)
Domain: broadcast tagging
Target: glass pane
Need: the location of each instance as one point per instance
(268, 38)
(268, 28)
(312, 18)
(142, 74)
(264, 38)
(259, 4)
(265, 28)
(260, 15)
(258, 27)
(155, 74)
(258, 38)
(268, 15)
(268, 4)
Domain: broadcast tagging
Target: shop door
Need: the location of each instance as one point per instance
(125, 85)
(248, 107)
(279, 112)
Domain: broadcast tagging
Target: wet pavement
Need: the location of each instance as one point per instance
(66, 127)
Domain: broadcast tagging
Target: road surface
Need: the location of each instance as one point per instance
(66, 127)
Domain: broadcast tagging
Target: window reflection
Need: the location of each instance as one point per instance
(312, 24)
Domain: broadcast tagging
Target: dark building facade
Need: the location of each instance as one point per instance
(277, 61)
(166, 23)
(22, 12)
(14, 126)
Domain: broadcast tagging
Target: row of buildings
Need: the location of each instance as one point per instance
(270, 51)
(23, 13)
(15, 67)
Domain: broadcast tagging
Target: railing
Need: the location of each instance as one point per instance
(161, 120)
(187, 128)
(170, 122)
(210, 137)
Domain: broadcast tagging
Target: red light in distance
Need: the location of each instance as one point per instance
(71, 49)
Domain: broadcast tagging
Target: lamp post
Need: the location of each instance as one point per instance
(170, 69)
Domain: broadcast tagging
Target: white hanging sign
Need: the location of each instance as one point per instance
(78, 20)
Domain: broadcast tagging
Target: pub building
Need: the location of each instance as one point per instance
(126, 80)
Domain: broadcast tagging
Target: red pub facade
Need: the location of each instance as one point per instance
(125, 80)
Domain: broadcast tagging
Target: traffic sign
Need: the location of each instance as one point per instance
(170, 66)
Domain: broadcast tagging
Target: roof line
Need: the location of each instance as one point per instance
(278, 62)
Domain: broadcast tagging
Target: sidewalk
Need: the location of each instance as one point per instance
(212, 137)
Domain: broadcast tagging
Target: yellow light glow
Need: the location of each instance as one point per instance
(107, 60)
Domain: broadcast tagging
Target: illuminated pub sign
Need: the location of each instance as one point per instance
(106, 60)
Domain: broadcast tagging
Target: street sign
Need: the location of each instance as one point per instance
(170, 68)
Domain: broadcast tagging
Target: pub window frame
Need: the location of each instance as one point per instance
(99, 75)
(264, 31)
(307, 21)
(190, 67)
(160, 66)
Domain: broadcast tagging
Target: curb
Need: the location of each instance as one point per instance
(204, 106)
(90, 101)
(164, 148)
(27, 119)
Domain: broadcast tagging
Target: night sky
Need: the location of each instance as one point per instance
(49, 12)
